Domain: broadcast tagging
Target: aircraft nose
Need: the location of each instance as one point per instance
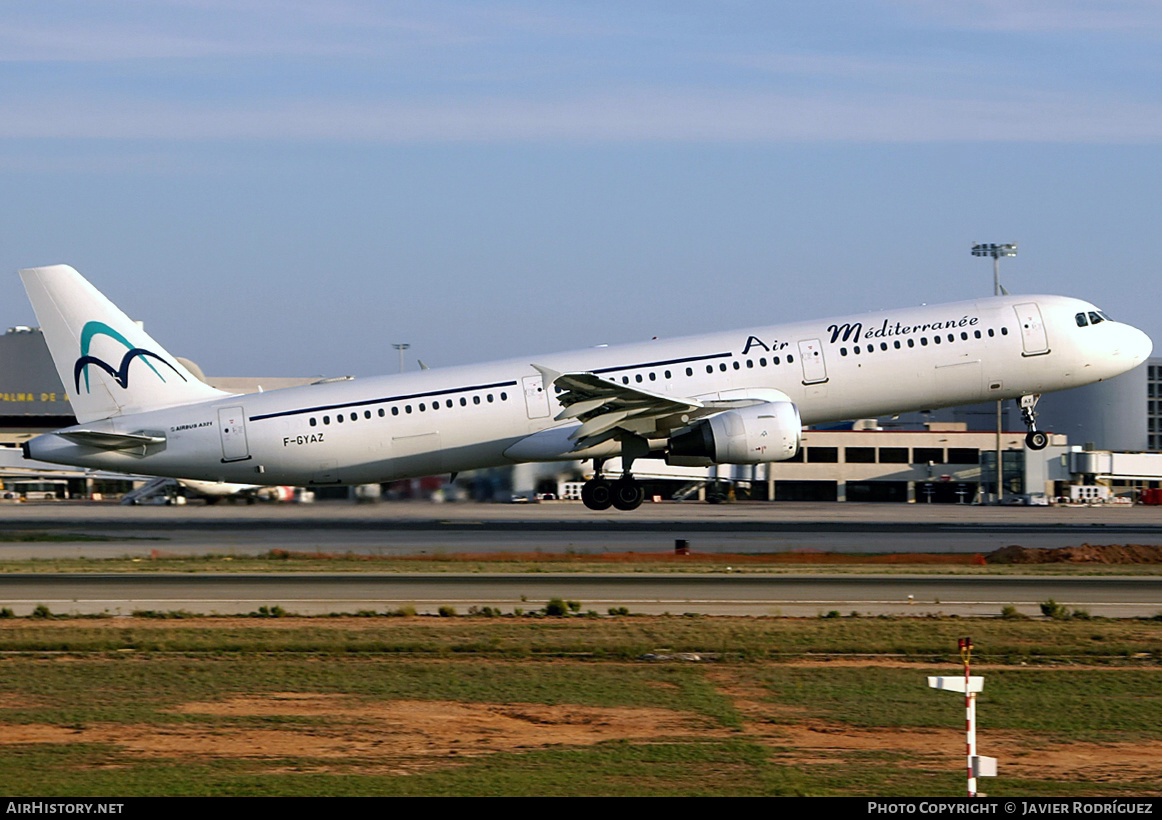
(1135, 345)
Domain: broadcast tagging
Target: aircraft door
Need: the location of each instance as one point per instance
(811, 355)
(536, 402)
(232, 428)
(1033, 336)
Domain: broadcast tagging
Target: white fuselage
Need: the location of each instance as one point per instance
(461, 418)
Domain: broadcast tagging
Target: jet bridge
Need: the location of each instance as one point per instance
(1113, 465)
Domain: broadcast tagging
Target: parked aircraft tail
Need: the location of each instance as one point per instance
(108, 364)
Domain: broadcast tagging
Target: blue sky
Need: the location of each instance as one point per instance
(287, 188)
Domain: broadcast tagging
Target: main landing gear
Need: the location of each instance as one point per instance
(1034, 439)
(600, 494)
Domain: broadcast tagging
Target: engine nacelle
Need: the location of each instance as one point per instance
(770, 431)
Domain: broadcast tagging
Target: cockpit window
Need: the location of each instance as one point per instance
(1094, 317)
(1081, 320)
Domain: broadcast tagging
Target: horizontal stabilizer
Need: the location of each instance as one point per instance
(112, 441)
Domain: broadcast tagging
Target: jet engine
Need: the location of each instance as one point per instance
(770, 431)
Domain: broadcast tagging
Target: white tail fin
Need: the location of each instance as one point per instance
(107, 363)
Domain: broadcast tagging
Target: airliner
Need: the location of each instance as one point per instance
(739, 397)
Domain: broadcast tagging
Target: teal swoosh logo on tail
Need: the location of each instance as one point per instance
(119, 374)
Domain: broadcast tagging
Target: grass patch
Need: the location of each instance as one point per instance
(1070, 704)
(922, 640)
(318, 707)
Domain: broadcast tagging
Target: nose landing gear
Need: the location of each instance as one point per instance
(1035, 439)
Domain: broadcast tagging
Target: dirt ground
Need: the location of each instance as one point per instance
(404, 737)
(399, 736)
(1084, 554)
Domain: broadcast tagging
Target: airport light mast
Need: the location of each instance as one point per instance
(401, 348)
(996, 252)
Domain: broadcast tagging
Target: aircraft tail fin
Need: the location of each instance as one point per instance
(107, 363)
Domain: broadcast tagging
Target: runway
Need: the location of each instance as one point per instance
(722, 593)
(415, 528)
(424, 528)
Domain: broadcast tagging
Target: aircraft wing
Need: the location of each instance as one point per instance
(603, 407)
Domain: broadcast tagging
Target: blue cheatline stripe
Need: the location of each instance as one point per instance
(663, 363)
(382, 400)
(385, 399)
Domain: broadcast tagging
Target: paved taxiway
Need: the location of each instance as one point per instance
(414, 528)
(410, 528)
(722, 593)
